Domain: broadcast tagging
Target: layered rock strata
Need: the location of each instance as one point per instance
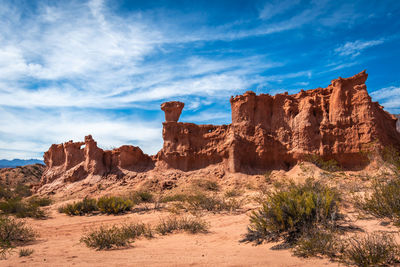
(337, 122)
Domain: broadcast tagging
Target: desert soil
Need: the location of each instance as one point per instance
(58, 245)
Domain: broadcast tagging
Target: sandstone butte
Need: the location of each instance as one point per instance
(338, 122)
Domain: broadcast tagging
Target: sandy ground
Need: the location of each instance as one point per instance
(58, 245)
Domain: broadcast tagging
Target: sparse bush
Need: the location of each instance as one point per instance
(21, 209)
(317, 242)
(114, 236)
(24, 252)
(289, 212)
(13, 233)
(86, 206)
(114, 205)
(392, 156)
(326, 165)
(22, 190)
(207, 185)
(40, 201)
(106, 238)
(212, 203)
(192, 225)
(384, 201)
(376, 249)
(141, 196)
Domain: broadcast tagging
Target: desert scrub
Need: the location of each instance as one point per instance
(383, 201)
(191, 225)
(141, 197)
(288, 212)
(233, 193)
(326, 165)
(212, 203)
(392, 156)
(318, 242)
(25, 252)
(40, 201)
(207, 185)
(174, 198)
(114, 205)
(21, 208)
(114, 236)
(86, 206)
(375, 249)
(13, 233)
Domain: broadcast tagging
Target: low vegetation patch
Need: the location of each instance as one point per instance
(25, 252)
(191, 225)
(383, 201)
(376, 249)
(290, 211)
(141, 197)
(21, 208)
(114, 205)
(86, 206)
(318, 242)
(207, 185)
(13, 233)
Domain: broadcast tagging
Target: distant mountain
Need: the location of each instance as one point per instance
(4, 163)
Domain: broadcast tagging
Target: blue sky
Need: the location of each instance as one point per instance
(68, 69)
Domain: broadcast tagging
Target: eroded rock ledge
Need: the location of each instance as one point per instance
(337, 122)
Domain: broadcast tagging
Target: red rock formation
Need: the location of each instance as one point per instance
(76, 161)
(172, 110)
(338, 122)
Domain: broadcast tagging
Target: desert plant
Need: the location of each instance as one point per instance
(86, 206)
(141, 196)
(392, 156)
(208, 185)
(13, 233)
(40, 201)
(315, 242)
(114, 205)
(289, 212)
(114, 236)
(21, 209)
(330, 165)
(106, 238)
(24, 252)
(22, 190)
(384, 200)
(191, 225)
(376, 249)
(212, 203)
(174, 198)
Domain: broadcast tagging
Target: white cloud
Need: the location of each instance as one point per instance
(388, 97)
(355, 48)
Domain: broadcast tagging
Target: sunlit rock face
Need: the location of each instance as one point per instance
(337, 122)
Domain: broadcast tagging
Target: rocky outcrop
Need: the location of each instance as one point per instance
(28, 175)
(337, 122)
(74, 161)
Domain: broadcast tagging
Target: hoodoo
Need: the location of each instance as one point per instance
(337, 122)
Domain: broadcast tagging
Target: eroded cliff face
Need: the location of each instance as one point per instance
(337, 122)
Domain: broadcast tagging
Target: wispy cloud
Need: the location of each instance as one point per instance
(355, 48)
(388, 97)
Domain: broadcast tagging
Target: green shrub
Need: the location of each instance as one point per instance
(114, 236)
(86, 206)
(376, 249)
(174, 198)
(326, 165)
(190, 225)
(207, 185)
(141, 196)
(24, 252)
(21, 209)
(392, 156)
(114, 205)
(384, 201)
(212, 203)
(5, 192)
(13, 233)
(289, 212)
(40, 201)
(317, 242)
(106, 238)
